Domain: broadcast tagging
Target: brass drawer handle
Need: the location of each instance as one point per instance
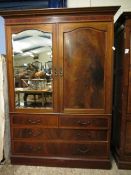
(31, 133)
(81, 123)
(34, 121)
(35, 149)
(79, 135)
(83, 150)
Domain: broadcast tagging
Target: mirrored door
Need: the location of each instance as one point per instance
(32, 69)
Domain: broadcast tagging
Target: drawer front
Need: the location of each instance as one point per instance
(80, 134)
(35, 133)
(61, 149)
(84, 149)
(61, 134)
(51, 121)
(83, 122)
(34, 148)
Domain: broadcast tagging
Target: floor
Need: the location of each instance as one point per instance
(8, 169)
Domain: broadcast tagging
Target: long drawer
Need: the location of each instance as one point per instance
(83, 122)
(37, 120)
(60, 134)
(61, 149)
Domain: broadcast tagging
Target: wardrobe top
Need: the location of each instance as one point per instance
(110, 10)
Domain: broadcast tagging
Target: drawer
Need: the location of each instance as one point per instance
(84, 150)
(34, 148)
(45, 120)
(86, 135)
(35, 133)
(61, 149)
(83, 122)
(61, 134)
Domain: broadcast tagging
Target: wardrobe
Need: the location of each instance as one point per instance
(60, 78)
(121, 141)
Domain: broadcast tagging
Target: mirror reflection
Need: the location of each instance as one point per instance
(32, 61)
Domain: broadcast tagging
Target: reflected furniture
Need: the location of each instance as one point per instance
(27, 91)
(121, 141)
(74, 131)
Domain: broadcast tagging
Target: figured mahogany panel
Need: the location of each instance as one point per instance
(84, 54)
(129, 88)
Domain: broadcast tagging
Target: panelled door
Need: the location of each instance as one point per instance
(85, 64)
(33, 61)
(128, 56)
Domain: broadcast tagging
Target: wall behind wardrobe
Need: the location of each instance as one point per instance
(2, 36)
(125, 4)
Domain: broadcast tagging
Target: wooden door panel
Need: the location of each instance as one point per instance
(84, 54)
(84, 68)
(129, 87)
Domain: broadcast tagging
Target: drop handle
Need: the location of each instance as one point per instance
(34, 121)
(33, 134)
(79, 135)
(81, 123)
(35, 149)
(84, 150)
(61, 72)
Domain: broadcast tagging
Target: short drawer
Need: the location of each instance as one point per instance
(35, 133)
(34, 148)
(83, 122)
(84, 150)
(86, 135)
(49, 121)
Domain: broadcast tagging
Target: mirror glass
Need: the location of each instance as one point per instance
(32, 62)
